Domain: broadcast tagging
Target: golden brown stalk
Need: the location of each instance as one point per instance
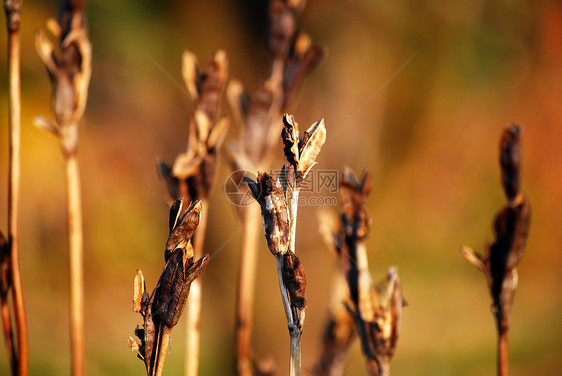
(13, 18)
(193, 330)
(245, 291)
(511, 227)
(69, 73)
(77, 329)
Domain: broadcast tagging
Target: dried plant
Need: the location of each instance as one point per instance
(193, 173)
(278, 201)
(19, 359)
(293, 56)
(69, 71)
(162, 309)
(511, 227)
(376, 311)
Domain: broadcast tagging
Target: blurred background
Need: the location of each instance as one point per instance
(430, 136)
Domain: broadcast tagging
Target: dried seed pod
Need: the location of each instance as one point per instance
(295, 280)
(69, 72)
(274, 212)
(172, 289)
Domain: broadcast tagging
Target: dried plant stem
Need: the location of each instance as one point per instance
(193, 326)
(9, 334)
(77, 332)
(503, 353)
(294, 327)
(245, 293)
(163, 344)
(13, 198)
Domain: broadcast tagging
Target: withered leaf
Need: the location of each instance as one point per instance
(295, 280)
(290, 137)
(274, 211)
(313, 139)
(185, 226)
(140, 296)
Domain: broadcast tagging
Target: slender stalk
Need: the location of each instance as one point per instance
(163, 344)
(13, 198)
(77, 331)
(245, 293)
(194, 302)
(503, 353)
(294, 329)
(9, 334)
(294, 203)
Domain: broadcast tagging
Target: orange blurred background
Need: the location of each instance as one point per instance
(430, 136)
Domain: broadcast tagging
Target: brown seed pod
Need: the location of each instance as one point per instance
(295, 280)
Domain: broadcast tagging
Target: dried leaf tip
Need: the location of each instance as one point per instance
(182, 226)
(140, 296)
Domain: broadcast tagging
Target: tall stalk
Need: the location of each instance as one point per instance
(70, 73)
(19, 360)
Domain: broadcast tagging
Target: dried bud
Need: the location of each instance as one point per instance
(13, 14)
(172, 290)
(510, 161)
(140, 296)
(274, 212)
(182, 227)
(282, 26)
(354, 195)
(295, 280)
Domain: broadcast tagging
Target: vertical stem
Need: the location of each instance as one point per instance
(77, 332)
(13, 197)
(503, 353)
(294, 203)
(245, 292)
(194, 301)
(294, 328)
(163, 344)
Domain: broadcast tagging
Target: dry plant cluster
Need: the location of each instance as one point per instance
(360, 308)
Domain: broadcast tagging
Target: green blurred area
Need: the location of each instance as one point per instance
(430, 136)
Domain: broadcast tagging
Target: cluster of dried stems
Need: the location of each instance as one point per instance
(360, 307)
(162, 309)
(192, 176)
(278, 200)
(258, 115)
(511, 227)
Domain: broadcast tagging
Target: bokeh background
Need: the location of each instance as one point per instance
(430, 136)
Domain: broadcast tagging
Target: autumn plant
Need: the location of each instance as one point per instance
(278, 201)
(10, 278)
(293, 56)
(192, 177)
(511, 227)
(162, 309)
(69, 69)
(376, 310)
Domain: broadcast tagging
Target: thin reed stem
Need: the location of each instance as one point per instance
(294, 328)
(503, 353)
(13, 199)
(163, 344)
(193, 327)
(246, 289)
(77, 331)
